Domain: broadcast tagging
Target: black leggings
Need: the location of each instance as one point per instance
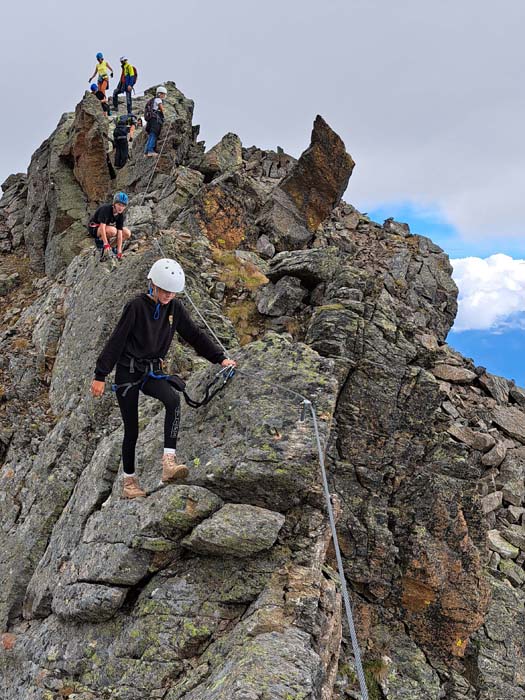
(129, 407)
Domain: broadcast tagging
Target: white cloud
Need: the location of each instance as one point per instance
(491, 292)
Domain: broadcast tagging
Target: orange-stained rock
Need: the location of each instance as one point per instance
(444, 592)
(320, 177)
(221, 218)
(8, 641)
(87, 148)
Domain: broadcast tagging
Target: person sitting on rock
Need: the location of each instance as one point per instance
(154, 117)
(128, 78)
(100, 96)
(137, 346)
(107, 225)
(102, 68)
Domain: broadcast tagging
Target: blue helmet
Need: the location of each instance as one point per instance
(120, 198)
(100, 56)
(93, 87)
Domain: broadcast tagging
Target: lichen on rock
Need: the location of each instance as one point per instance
(226, 585)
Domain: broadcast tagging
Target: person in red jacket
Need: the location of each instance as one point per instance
(137, 347)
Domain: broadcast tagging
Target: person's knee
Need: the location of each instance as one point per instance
(126, 233)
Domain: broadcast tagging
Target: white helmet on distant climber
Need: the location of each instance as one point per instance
(168, 275)
(161, 90)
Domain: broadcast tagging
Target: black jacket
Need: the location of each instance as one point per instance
(138, 335)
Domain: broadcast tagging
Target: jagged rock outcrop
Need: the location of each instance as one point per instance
(87, 150)
(321, 175)
(309, 192)
(224, 156)
(224, 586)
(12, 211)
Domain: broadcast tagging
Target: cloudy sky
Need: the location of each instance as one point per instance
(428, 96)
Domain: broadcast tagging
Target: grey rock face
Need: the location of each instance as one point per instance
(281, 298)
(87, 602)
(310, 266)
(495, 456)
(491, 501)
(56, 212)
(456, 375)
(225, 155)
(224, 585)
(511, 420)
(476, 440)
(498, 387)
(12, 209)
(282, 224)
(518, 395)
(265, 247)
(503, 547)
(236, 530)
(511, 477)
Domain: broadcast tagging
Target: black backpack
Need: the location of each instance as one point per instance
(148, 110)
(120, 132)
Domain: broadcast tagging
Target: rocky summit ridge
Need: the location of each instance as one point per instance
(225, 586)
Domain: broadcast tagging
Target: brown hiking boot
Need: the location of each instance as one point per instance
(171, 469)
(131, 488)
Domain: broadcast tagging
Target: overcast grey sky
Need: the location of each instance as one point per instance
(427, 95)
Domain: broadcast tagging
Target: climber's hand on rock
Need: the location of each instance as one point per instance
(97, 388)
(228, 363)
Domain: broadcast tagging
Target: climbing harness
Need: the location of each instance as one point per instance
(153, 371)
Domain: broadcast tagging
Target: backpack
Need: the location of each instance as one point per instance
(148, 109)
(121, 132)
(135, 77)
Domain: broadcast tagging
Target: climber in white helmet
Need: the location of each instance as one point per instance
(154, 118)
(137, 347)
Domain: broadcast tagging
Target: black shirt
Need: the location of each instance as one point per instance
(106, 215)
(139, 335)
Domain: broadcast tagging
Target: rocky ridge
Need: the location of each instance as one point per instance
(225, 586)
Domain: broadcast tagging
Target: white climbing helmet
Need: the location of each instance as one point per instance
(161, 90)
(168, 275)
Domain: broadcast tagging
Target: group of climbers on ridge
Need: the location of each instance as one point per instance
(143, 335)
(126, 83)
(125, 125)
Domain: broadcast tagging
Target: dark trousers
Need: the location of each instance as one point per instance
(121, 152)
(119, 90)
(159, 389)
